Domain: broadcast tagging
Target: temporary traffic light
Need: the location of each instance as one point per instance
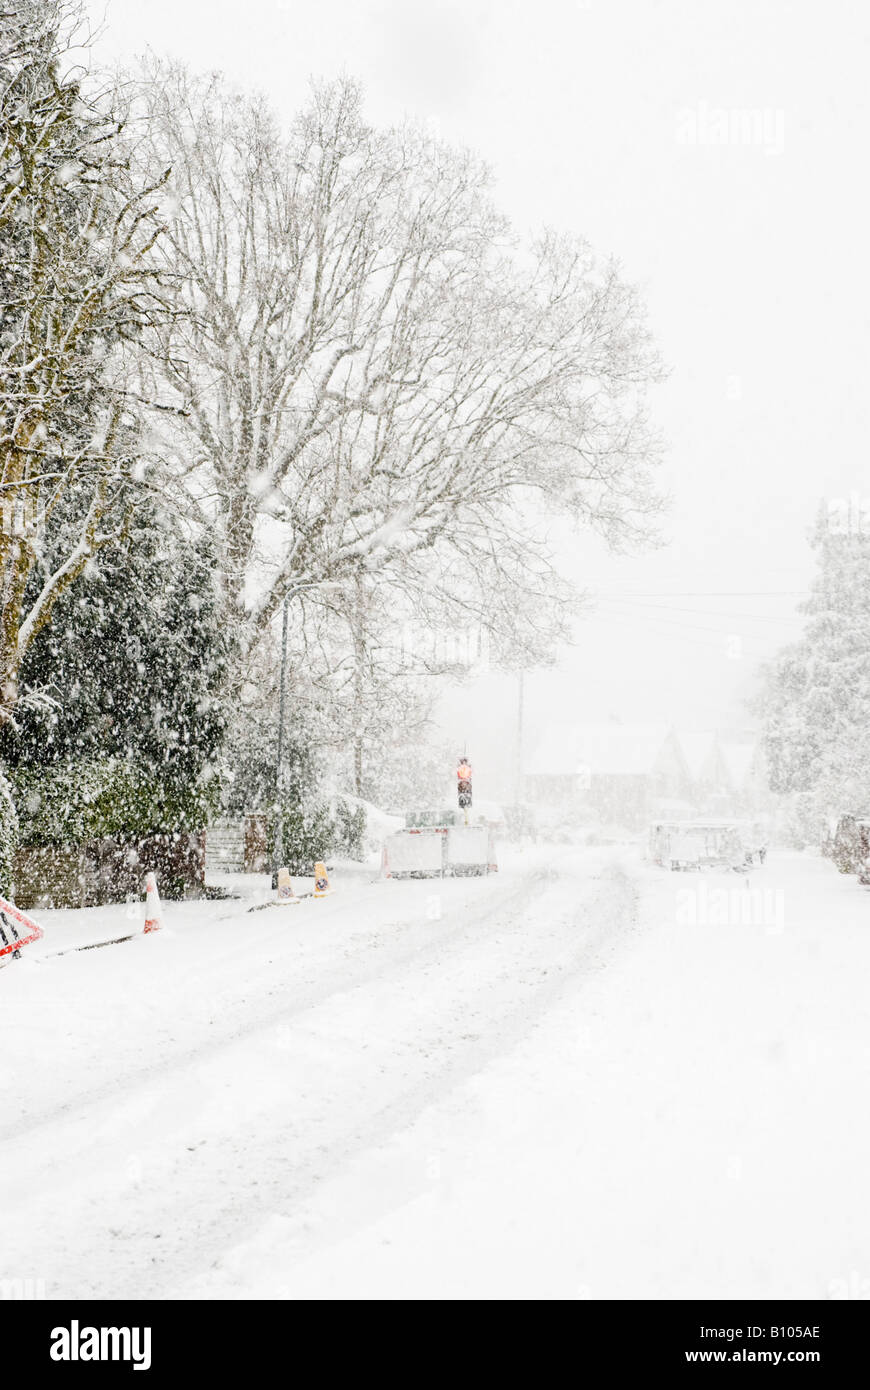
(463, 772)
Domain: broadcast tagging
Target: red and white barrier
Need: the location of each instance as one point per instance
(11, 940)
(418, 852)
(468, 848)
(431, 851)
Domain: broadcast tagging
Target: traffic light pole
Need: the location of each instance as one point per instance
(279, 771)
(463, 772)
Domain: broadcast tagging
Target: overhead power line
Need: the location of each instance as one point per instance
(640, 607)
(700, 593)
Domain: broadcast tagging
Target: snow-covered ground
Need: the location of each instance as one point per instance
(582, 1077)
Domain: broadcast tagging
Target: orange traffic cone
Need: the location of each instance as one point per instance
(285, 887)
(153, 913)
(321, 881)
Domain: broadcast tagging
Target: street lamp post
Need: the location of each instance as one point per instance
(518, 789)
(279, 771)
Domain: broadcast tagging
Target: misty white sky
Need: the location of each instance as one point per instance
(752, 256)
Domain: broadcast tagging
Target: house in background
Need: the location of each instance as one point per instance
(748, 783)
(707, 765)
(728, 774)
(621, 773)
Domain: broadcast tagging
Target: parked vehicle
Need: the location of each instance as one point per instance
(707, 843)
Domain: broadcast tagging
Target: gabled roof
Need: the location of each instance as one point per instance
(701, 750)
(602, 750)
(740, 761)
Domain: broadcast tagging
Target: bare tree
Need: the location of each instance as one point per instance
(372, 378)
(78, 287)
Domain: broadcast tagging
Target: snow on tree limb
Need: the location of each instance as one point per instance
(78, 234)
(367, 367)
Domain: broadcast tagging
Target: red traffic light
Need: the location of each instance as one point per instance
(463, 787)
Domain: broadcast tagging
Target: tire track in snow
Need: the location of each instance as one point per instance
(602, 922)
(503, 1032)
(287, 1170)
(358, 967)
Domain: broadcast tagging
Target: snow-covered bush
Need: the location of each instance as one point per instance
(78, 802)
(119, 727)
(349, 830)
(315, 830)
(308, 835)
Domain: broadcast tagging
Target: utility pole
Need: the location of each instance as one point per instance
(359, 656)
(279, 771)
(518, 794)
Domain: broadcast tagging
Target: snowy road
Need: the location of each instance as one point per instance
(580, 1078)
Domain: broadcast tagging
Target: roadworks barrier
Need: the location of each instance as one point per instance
(439, 851)
(16, 930)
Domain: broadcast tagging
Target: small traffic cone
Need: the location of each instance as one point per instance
(153, 912)
(321, 881)
(285, 887)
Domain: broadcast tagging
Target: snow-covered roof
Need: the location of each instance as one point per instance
(599, 749)
(699, 749)
(739, 758)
